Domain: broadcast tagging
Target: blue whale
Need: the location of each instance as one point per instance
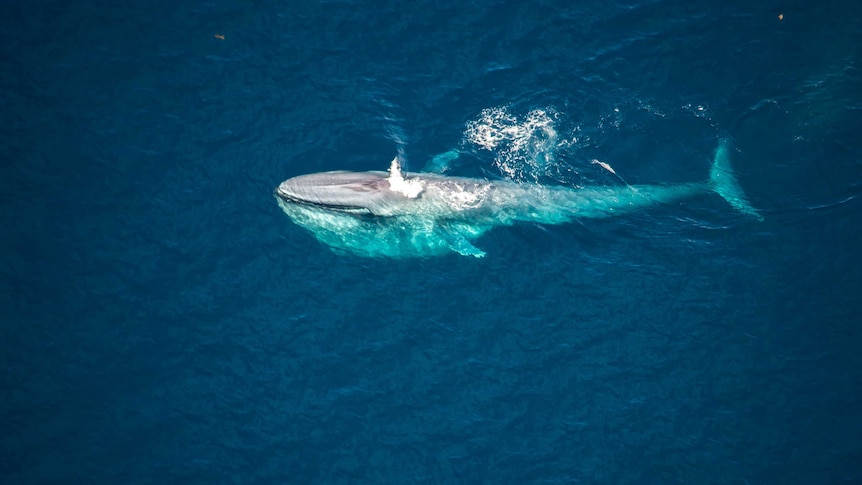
(396, 214)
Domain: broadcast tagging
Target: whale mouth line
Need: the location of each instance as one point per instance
(350, 209)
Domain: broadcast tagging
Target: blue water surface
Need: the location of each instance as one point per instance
(164, 322)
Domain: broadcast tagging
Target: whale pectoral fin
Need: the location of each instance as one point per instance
(440, 163)
(458, 243)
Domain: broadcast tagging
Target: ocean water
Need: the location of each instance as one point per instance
(163, 321)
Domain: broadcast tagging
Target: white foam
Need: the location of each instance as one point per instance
(411, 188)
(524, 146)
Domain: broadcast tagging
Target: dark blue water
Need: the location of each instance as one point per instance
(164, 322)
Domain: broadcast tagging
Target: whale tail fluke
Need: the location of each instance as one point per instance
(725, 184)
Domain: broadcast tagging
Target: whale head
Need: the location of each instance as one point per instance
(377, 214)
(375, 193)
(350, 192)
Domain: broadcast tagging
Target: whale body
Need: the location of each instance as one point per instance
(395, 214)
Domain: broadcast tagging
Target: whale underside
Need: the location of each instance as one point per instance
(395, 214)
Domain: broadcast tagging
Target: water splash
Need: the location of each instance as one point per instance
(410, 188)
(524, 148)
